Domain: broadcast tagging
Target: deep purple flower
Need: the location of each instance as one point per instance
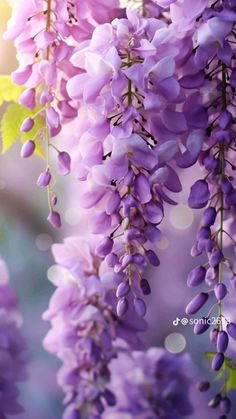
(199, 194)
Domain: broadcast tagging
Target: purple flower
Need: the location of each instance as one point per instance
(160, 374)
(199, 194)
(12, 348)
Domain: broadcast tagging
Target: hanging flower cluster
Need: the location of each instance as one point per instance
(12, 348)
(211, 79)
(126, 76)
(144, 94)
(45, 35)
(151, 385)
(86, 331)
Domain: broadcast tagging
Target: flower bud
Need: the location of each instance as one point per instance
(64, 162)
(145, 287)
(225, 405)
(222, 341)
(123, 289)
(217, 361)
(44, 178)
(55, 219)
(197, 303)
(122, 307)
(220, 291)
(231, 329)
(199, 194)
(111, 260)
(27, 149)
(140, 307)
(202, 326)
(196, 276)
(152, 257)
(215, 401)
(203, 385)
(104, 247)
(209, 217)
(110, 397)
(27, 98)
(216, 258)
(27, 125)
(52, 117)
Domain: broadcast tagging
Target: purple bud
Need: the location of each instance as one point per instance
(216, 258)
(210, 163)
(226, 186)
(213, 335)
(54, 200)
(204, 233)
(104, 247)
(142, 188)
(203, 385)
(27, 149)
(111, 260)
(215, 401)
(55, 219)
(110, 397)
(222, 341)
(196, 303)
(139, 259)
(45, 98)
(202, 326)
(27, 125)
(122, 307)
(145, 287)
(199, 194)
(231, 329)
(27, 98)
(152, 257)
(217, 361)
(44, 178)
(64, 162)
(196, 276)
(123, 289)
(225, 120)
(153, 234)
(209, 217)
(52, 117)
(220, 291)
(225, 405)
(140, 307)
(131, 234)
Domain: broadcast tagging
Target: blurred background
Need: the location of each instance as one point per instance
(25, 240)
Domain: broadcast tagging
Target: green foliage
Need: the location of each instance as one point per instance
(9, 92)
(11, 123)
(229, 366)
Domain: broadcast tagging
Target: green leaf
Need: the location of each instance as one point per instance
(11, 123)
(230, 366)
(9, 92)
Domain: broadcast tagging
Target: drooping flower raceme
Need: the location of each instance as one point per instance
(45, 35)
(128, 171)
(12, 348)
(85, 329)
(155, 385)
(209, 76)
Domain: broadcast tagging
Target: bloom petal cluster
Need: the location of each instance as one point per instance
(155, 384)
(126, 80)
(85, 330)
(12, 348)
(45, 35)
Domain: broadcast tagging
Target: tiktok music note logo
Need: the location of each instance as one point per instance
(176, 321)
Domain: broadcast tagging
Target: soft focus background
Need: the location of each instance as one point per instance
(25, 240)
